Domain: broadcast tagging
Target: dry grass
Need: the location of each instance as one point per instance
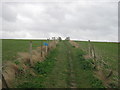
(76, 45)
(24, 57)
(101, 75)
(0, 84)
(52, 45)
(86, 56)
(11, 70)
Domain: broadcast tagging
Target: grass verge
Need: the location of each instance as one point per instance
(42, 69)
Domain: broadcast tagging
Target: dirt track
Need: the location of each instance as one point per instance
(72, 81)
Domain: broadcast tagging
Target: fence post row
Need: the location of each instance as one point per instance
(93, 55)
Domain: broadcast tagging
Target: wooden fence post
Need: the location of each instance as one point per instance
(4, 83)
(89, 48)
(48, 45)
(110, 74)
(54, 42)
(41, 49)
(46, 49)
(93, 52)
(31, 62)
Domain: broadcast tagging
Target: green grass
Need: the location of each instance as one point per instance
(84, 73)
(10, 47)
(54, 72)
(83, 70)
(58, 77)
(42, 70)
(109, 53)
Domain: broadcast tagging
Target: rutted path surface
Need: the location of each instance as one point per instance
(63, 67)
(70, 70)
(63, 74)
(72, 82)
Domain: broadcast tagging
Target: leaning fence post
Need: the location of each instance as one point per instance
(110, 73)
(31, 53)
(4, 83)
(94, 52)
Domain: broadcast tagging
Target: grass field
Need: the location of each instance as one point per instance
(108, 52)
(10, 47)
(64, 67)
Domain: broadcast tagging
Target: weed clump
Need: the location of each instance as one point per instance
(96, 82)
(45, 67)
(42, 69)
(85, 64)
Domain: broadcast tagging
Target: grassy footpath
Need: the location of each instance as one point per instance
(57, 78)
(76, 72)
(41, 70)
(83, 70)
(64, 67)
(65, 73)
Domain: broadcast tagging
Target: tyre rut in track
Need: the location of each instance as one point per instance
(71, 75)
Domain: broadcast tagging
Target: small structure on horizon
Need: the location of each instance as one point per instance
(59, 38)
(53, 38)
(67, 38)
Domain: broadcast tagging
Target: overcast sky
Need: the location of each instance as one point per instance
(78, 19)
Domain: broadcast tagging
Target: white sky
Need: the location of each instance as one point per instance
(79, 19)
